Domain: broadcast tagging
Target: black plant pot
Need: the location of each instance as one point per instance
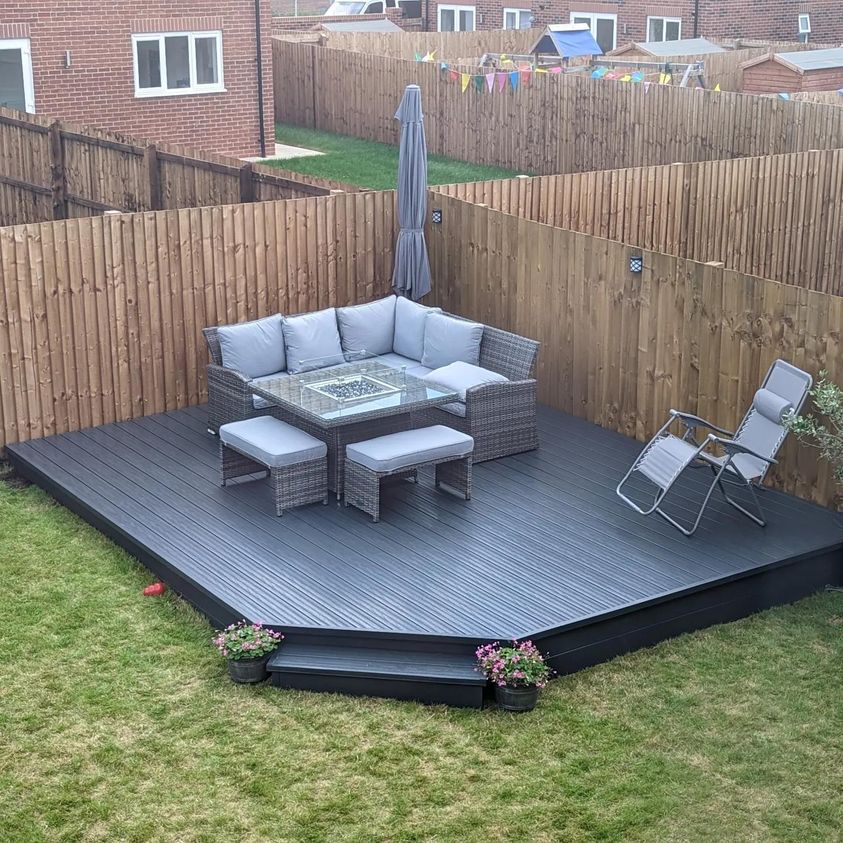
(248, 671)
(516, 699)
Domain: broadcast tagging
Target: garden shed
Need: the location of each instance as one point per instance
(661, 49)
(810, 70)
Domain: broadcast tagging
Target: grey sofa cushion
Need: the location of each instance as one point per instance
(272, 442)
(410, 319)
(253, 348)
(368, 328)
(409, 447)
(447, 340)
(260, 403)
(460, 376)
(397, 361)
(312, 341)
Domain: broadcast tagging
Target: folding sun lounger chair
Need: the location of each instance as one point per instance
(747, 454)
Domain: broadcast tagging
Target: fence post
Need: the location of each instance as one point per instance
(58, 172)
(247, 184)
(153, 177)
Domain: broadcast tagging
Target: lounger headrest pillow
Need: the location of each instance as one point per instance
(771, 406)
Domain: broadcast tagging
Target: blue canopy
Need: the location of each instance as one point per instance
(568, 44)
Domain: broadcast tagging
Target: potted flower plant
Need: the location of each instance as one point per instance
(518, 672)
(247, 646)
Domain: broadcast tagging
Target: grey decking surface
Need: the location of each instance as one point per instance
(544, 542)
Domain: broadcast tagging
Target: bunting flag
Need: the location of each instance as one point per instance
(490, 81)
(647, 86)
(443, 65)
(525, 77)
(453, 75)
(544, 70)
(717, 87)
(478, 84)
(785, 96)
(465, 80)
(555, 69)
(638, 76)
(501, 77)
(626, 78)
(418, 56)
(513, 80)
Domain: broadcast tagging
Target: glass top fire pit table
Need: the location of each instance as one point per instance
(349, 403)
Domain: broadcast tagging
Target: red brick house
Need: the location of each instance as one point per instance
(195, 72)
(615, 22)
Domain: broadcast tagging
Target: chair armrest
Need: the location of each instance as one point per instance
(733, 447)
(691, 422)
(226, 377)
(503, 398)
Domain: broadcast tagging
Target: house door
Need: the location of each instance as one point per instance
(16, 90)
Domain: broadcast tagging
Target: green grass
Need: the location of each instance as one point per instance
(117, 723)
(367, 164)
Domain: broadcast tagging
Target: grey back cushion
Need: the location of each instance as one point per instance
(367, 327)
(312, 341)
(253, 348)
(447, 340)
(410, 319)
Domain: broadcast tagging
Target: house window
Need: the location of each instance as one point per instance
(456, 18)
(171, 63)
(517, 18)
(664, 29)
(804, 28)
(604, 28)
(16, 90)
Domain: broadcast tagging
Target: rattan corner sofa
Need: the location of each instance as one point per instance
(491, 370)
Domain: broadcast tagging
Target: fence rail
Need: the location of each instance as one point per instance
(554, 124)
(51, 170)
(621, 349)
(777, 216)
(102, 316)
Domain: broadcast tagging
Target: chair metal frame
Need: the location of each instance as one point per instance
(723, 468)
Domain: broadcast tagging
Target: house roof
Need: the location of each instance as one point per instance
(683, 47)
(567, 41)
(803, 60)
(361, 26)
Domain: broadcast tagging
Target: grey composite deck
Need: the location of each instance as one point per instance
(543, 545)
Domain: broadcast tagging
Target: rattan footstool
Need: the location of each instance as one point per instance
(402, 455)
(296, 461)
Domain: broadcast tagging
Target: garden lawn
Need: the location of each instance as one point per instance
(367, 164)
(117, 722)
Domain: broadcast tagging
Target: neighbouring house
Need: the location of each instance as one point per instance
(614, 22)
(811, 70)
(197, 72)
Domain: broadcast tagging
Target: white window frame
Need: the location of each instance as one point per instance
(518, 13)
(806, 28)
(456, 10)
(25, 47)
(665, 21)
(592, 25)
(194, 88)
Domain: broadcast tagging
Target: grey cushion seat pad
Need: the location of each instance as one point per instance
(272, 442)
(410, 447)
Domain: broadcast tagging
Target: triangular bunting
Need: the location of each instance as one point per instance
(501, 77)
(717, 87)
(490, 81)
(453, 75)
(465, 80)
(478, 84)
(525, 77)
(513, 80)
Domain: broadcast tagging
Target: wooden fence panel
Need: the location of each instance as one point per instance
(620, 349)
(56, 171)
(776, 217)
(102, 316)
(554, 124)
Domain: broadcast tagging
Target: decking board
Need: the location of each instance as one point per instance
(544, 544)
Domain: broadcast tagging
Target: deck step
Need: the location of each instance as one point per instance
(424, 675)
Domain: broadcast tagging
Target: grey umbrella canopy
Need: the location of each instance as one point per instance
(411, 275)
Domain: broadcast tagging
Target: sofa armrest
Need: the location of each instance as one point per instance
(503, 399)
(229, 396)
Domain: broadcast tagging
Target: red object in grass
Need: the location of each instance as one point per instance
(154, 590)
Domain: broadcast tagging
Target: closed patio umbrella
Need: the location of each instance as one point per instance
(411, 275)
